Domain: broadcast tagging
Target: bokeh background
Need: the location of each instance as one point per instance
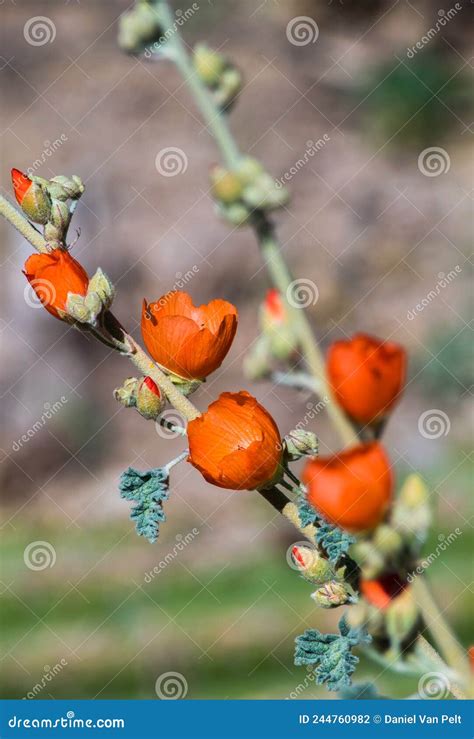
(368, 223)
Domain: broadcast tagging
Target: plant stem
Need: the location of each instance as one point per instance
(453, 654)
(19, 222)
(264, 230)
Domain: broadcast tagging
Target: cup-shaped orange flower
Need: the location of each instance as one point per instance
(236, 443)
(53, 276)
(351, 489)
(188, 341)
(367, 376)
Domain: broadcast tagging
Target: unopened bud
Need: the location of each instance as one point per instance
(311, 565)
(141, 25)
(331, 594)
(225, 185)
(126, 394)
(63, 188)
(32, 197)
(103, 287)
(300, 443)
(235, 213)
(77, 308)
(248, 170)
(387, 541)
(209, 64)
(149, 399)
(275, 324)
(401, 616)
(228, 88)
(57, 226)
(411, 512)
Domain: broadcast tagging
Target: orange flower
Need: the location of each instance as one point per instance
(382, 591)
(21, 184)
(52, 276)
(351, 489)
(367, 376)
(236, 443)
(189, 341)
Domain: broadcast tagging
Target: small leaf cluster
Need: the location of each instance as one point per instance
(149, 490)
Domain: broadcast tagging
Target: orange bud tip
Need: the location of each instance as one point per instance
(21, 184)
(274, 304)
(151, 385)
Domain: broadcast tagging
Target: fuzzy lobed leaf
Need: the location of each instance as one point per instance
(149, 490)
(332, 539)
(331, 654)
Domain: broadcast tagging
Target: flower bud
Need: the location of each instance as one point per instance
(235, 213)
(63, 188)
(248, 170)
(126, 394)
(264, 194)
(77, 308)
(311, 565)
(141, 25)
(149, 399)
(32, 197)
(331, 594)
(411, 513)
(370, 561)
(209, 64)
(299, 443)
(225, 185)
(228, 88)
(275, 324)
(401, 616)
(387, 541)
(103, 287)
(56, 228)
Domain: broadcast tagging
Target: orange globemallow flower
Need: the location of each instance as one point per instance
(189, 341)
(235, 443)
(53, 276)
(351, 489)
(367, 376)
(382, 591)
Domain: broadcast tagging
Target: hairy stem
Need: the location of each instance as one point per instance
(264, 230)
(19, 222)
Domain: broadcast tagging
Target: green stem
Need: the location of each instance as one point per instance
(449, 647)
(264, 230)
(19, 222)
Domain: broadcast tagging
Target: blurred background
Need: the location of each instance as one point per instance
(374, 223)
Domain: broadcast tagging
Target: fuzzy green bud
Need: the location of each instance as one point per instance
(311, 565)
(126, 394)
(401, 616)
(387, 541)
(331, 594)
(36, 203)
(65, 188)
(209, 64)
(300, 443)
(103, 287)
(225, 185)
(149, 399)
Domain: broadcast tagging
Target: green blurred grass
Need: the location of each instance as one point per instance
(228, 627)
